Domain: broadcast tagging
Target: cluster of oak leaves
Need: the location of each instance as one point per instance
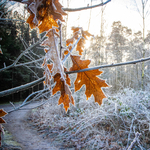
(44, 15)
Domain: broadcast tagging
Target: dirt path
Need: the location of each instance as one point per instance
(28, 138)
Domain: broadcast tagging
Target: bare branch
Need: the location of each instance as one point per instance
(85, 8)
(4, 19)
(20, 88)
(30, 62)
(23, 87)
(71, 49)
(111, 65)
(15, 62)
(77, 9)
(25, 101)
(137, 135)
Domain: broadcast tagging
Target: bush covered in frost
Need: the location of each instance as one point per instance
(113, 125)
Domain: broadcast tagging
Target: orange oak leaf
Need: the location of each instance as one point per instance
(68, 49)
(30, 21)
(62, 86)
(44, 14)
(81, 44)
(2, 114)
(75, 29)
(89, 78)
(47, 23)
(59, 7)
(50, 66)
(52, 53)
(71, 40)
(86, 34)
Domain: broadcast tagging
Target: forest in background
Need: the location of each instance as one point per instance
(16, 36)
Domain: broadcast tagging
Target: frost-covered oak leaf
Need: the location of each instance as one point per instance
(58, 7)
(81, 44)
(52, 51)
(89, 78)
(47, 23)
(62, 86)
(44, 14)
(34, 9)
(62, 80)
(75, 29)
(48, 72)
(71, 40)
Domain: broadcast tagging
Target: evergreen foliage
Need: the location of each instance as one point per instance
(12, 32)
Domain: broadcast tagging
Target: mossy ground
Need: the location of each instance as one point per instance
(9, 143)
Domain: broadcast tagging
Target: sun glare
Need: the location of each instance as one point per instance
(87, 44)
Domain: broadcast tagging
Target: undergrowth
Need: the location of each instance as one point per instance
(111, 126)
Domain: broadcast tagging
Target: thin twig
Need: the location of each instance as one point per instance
(77, 9)
(137, 135)
(25, 101)
(111, 65)
(27, 63)
(11, 20)
(20, 88)
(85, 8)
(12, 105)
(130, 131)
(15, 62)
(71, 49)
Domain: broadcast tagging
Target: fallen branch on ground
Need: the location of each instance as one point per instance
(137, 135)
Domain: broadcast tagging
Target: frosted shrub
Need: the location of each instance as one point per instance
(112, 125)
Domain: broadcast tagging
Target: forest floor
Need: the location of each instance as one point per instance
(122, 122)
(22, 131)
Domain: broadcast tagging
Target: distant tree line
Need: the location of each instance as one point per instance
(120, 46)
